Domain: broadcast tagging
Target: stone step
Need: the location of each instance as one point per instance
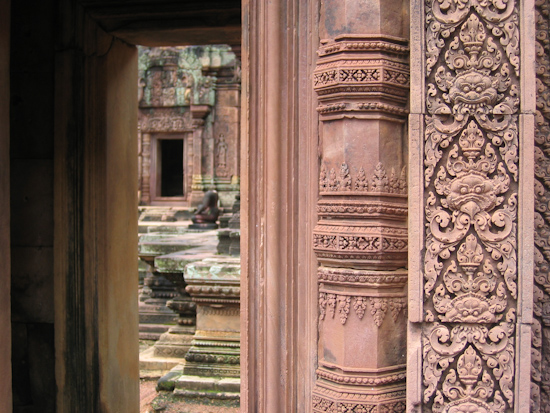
(151, 366)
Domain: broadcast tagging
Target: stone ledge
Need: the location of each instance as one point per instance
(210, 387)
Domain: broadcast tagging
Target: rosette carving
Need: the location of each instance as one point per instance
(470, 175)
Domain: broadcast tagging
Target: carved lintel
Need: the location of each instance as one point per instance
(165, 120)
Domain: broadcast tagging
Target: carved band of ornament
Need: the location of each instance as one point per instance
(342, 181)
(346, 395)
(400, 66)
(367, 207)
(206, 300)
(162, 123)
(211, 358)
(210, 371)
(470, 169)
(399, 95)
(163, 294)
(209, 290)
(360, 75)
(330, 303)
(220, 311)
(206, 343)
(170, 351)
(362, 107)
(323, 405)
(371, 211)
(380, 279)
(326, 227)
(361, 380)
(382, 260)
(367, 244)
(346, 44)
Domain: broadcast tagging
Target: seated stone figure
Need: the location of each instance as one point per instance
(207, 212)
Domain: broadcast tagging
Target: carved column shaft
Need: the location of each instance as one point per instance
(471, 211)
(361, 80)
(146, 171)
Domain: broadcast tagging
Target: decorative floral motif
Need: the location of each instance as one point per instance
(345, 179)
(470, 175)
(495, 346)
(474, 82)
(360, 305)
(360, 183)
(343, 307)
(378, 306)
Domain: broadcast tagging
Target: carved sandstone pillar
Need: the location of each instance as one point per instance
(145, 168)
(362, 82)
(471, 208)
(199, 113)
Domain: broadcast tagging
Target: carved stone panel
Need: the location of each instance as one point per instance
(471, 177)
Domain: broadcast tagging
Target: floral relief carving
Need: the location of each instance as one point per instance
(378, 306)
(396, 306)
(494, 346)
(378, 183)
(360, 305)
(361, 182)
(470, 175)
(345, 180)
(474, 82)
(343, 307)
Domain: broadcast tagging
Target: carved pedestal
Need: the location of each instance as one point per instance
(175, 343)
(212, 365)
(154, 317)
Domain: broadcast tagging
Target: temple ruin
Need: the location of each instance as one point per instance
(393, 181)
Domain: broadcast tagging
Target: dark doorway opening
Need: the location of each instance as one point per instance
(171, 174)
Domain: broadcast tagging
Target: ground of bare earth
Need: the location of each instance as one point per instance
(152, 401)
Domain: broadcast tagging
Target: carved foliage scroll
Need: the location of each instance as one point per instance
(540, 352)
(470, 176)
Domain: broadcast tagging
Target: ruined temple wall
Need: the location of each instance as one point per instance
(191, 93)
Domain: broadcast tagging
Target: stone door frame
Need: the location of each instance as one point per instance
(95, 199)
(155, 176)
